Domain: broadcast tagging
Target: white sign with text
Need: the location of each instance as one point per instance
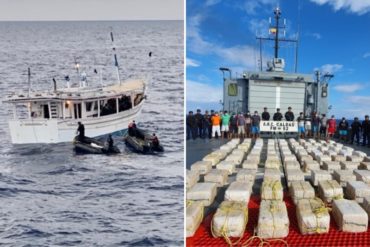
(279, 126)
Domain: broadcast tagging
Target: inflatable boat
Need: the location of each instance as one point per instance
(141, 141)
(93, 146)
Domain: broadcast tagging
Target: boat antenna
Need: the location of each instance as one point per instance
(29, 81)
(115, 57)
(298, 35)
(77, 67)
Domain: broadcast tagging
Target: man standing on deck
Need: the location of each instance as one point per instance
(256, 125)
(191, 125)
(199, 122)
(241, 125)
(207, 125)
(277, 116)
(301, 129)
(366, 131)
(332, 126)
(265, 114)
(81, 132)
(343, 130)
(315, 121)
(216, 125)
(355, 131)
(289, 115)
(248, 124)
(323, 124)
(225, 120)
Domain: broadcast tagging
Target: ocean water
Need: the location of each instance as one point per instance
(51, 197)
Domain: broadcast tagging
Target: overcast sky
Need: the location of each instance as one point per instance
(91, 10)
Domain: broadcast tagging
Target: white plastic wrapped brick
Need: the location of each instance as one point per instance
(345, 152)
(272, 174)
(202, 192)
(331, 166)
(213, 158)
(272, 161)
(344, 176)
(220, 153)
(217, 176)
(367, 159)
(239, 191)
(236, 158)
(227, 148)
(312, 216)
(273, 221)
(338, 157)
(366, 205)
(203, 167)
(254, 158)
(192, 177)
(357, 190)
(292, 165)
(322, 158)
(349, 165)
(349, 149)
(238, 152)
(271, 190)
(349, 216)
(339, 145)
(319, 175)
(330, 190)
(362, 175)
(301, 190)
(330, 153)
(230, 219)
(355, 158)
(250, 165)
(359, 153)
(303, 158)
(229, 166)
(364, 165)
(294, 175)
(311, 165)
(246, 175)
(194, 216)
(335, 149)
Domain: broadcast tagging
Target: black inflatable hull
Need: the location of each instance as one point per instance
(143, 146)
(85, 147)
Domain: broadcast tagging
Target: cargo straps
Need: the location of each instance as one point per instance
(262, 242)
(224, 232)
(319, 210)
(337, 197)
(200, 216)
(275, 187)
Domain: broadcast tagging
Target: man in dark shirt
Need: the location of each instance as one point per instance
(207, 125)
(81, 132)
(355, 131)
(315, 121)
(343, 130)
(191, 126)
(277, 116)
(366, 131)
(289, 115)
(265, 114)
(199, 122)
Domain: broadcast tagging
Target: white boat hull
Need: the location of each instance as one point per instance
(64, 130)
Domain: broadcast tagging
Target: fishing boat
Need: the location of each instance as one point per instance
(142, 142)
(51, 116)
(93, 146)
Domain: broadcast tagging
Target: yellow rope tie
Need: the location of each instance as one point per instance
(200, 216)
(319, 212)
(333, 188)
(224, 231)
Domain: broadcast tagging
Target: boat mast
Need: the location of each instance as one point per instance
(115, 57)
(29, 82)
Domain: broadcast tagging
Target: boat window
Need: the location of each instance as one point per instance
(138, 98)
(21, 111)
(96, 106)
(46, 111)
(89, 106)
(77, 110)
(109, 107)
(124, 103)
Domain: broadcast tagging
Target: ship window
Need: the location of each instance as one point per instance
(124, 103)
(89, 106)
(232, 89)
(138, 99)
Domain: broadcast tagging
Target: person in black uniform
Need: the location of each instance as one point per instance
(355, 131)
(277, 116)
(199, 121)
(191, 125)
(265, 115)
(110, 142)
(289, 115)
(81, 132)
(155, 141)
(207, 125)
(366, 131)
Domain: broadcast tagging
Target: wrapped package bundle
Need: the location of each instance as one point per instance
(236, 158)
(192, 177)
(330, 190)
(312, 216)
(345, 153)
(292, 165)
(213, 158)
(362, 175)
(253, 158)
(349, 216)
(304, 158)
(335, 149)
(230, 219)
(355, 158)
(217, 176)
(203, 167)
(311, 165)
(194, 216)
(323, 149)
(238, 151)
(366, 205)
(319, 175)
(229, 166)
(301, 190)
(331, 166)
(322, 158)
(339, 145)
(246, 175)
(239, 191)
(344, 176)
(272, 174)
(364, 165)
(244, 146)
(251, 165)
(272, 161)
(255, 152)
(330, 153)
(227, 148)
(348, 149)
(349, 165)
(271, 190)
(357, 190)
(367, 159)
(202, 192)
(294, 175)
(290, 157)
(273, 221)
(220, 153)
(337, 157)
(359, 153)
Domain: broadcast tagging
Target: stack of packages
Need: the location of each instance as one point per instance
(319, 175)
(362, 175)
(366, 205)
(203, 167)
(239, 191)
(309, 164)
(349, 165)
(271, 189)
(273, 221)
(330, 190)
(301, 190)
(219, 177)
(312, 216)
(331, 166)
(236, 156)
(194, 216)
(213, 158)
(272, 161)
(365, 165)
(344, 176)
(349, 216)
(294, 175)
(192, 177)
(228, 165)
(357, 190)
(202, 192)
(247, 175)
(230, 220)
